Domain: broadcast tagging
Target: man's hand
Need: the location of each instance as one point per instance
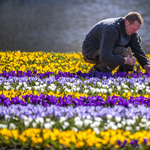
(147, 68)
(130, 61)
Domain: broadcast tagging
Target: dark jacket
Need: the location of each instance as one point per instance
(109, 33)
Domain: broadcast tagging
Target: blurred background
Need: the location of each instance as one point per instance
(61, 25)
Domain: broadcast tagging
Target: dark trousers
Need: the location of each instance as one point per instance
(94, 59)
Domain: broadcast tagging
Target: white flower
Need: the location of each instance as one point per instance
(104, 90)
(96, 130)
(119, 125)
(52, 122)
(66, 123)
(78, 89)
(36, 87)
(147, 124)
(128, 128)
(88, 117)
(37, 83)
(26, 123)
(105, 127)
(17, 87)
(77, 118)
(141, 124)
(118, 87)
(75, 129)
(109, 116)
(44, 85)
(39, 120)
(97, 90)
(6, 83)
(105, 86)
(114, 127)
(110, 90)
(118, 119)
(110, 124)
(29, 88)
(47, 125)
(86, 91)
(7, 87)
(79, 124)
(123, 122)
(98, 119)
(42, 89)
(48, 120)
(143, 120)
(20, 83)
(3, 126)
(30, 119)
(12, 126)
(126, 91)
(7, 117)
(99, 84)
(62, 119)
(87, 122)
(137, 128)
(34, 124)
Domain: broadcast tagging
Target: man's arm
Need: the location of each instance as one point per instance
(135, 44)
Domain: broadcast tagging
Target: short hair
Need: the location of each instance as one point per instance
(134, 16)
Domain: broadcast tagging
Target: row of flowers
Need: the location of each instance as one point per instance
(47, 100)
(83, 139)
(50, 100)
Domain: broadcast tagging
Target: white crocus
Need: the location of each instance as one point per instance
(114, 127)
(48, 120)
(79, 124)
(47, 125)
(7, 117)
(98, 119)
(87, 122)
(117, 119)
(17, 87)
(137, 128)
(86, 91)
(143, 120)
(128, 128)
(78, 89)
(118, 87)
(53, 123)
(65, 125)
(96, 130)
(40, 120)
(20, 83)
(110, 90)
(75, 129)
(6, 83)
(37, 83)
(26, 123)
(119, 125)
(3, 126)
(7, 87)
(12, 126)
(62, 119)
(99, 84)
(126, 91)
(77, 118)
(109, 116)
(34, 124)
(123, 122)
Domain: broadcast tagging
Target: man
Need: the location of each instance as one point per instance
(106, 44)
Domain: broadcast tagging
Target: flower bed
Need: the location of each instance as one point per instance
(49, 100)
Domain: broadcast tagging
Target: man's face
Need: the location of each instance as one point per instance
(132, 28)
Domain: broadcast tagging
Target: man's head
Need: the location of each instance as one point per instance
(133, 22)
